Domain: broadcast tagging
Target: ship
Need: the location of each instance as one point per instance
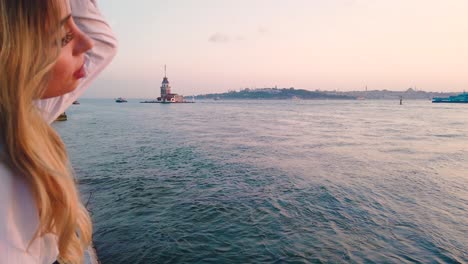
(120, 100)
(62, 117)
(455, 99)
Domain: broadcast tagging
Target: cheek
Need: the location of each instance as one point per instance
(61, 79)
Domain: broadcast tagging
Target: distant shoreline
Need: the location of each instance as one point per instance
(301, 94)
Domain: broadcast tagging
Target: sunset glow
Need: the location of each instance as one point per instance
(216, 46)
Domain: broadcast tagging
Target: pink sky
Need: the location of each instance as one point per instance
(219, 45)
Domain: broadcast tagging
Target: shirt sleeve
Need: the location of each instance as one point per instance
(18, 223)
(89, 19)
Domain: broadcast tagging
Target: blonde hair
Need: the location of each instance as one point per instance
(30, 33)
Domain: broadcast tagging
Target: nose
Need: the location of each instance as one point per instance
(83, 43)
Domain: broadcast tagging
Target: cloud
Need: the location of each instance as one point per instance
(262, 30)
(224, 38)
(219, 38)
(353, 3)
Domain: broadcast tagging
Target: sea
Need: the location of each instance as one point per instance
(287, 181)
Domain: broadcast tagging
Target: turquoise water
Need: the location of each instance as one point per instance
(273, 181)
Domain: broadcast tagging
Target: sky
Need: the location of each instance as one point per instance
(214, 46)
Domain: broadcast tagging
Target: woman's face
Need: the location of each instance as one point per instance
(69, 68)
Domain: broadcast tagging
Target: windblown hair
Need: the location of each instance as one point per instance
(30, 33)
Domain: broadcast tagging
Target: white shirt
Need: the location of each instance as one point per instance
(18, 213)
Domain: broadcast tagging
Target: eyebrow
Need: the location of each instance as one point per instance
(63, 21)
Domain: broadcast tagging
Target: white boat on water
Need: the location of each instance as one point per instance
(120, 100)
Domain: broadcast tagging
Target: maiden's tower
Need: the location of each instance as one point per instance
(166, 95)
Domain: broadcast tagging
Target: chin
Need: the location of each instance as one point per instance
(51, 92)
(73, 87)
(69, 88)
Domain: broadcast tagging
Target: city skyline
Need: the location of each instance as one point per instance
(214, 46)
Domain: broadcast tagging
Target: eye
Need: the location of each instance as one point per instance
(68, 37)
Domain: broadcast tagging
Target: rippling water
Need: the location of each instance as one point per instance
(273, 181)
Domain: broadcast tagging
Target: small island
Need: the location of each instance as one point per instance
(167, 97)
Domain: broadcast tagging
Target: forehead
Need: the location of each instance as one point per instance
(65, 8)
(56, 14)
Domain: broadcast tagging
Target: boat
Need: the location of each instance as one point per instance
(455, 99)
(120, 100)
(76, 102)
(62, 117)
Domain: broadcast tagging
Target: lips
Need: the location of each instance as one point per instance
(80, 73)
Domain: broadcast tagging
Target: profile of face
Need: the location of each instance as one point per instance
(70, 65)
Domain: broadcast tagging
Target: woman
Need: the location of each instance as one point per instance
(50, 51)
